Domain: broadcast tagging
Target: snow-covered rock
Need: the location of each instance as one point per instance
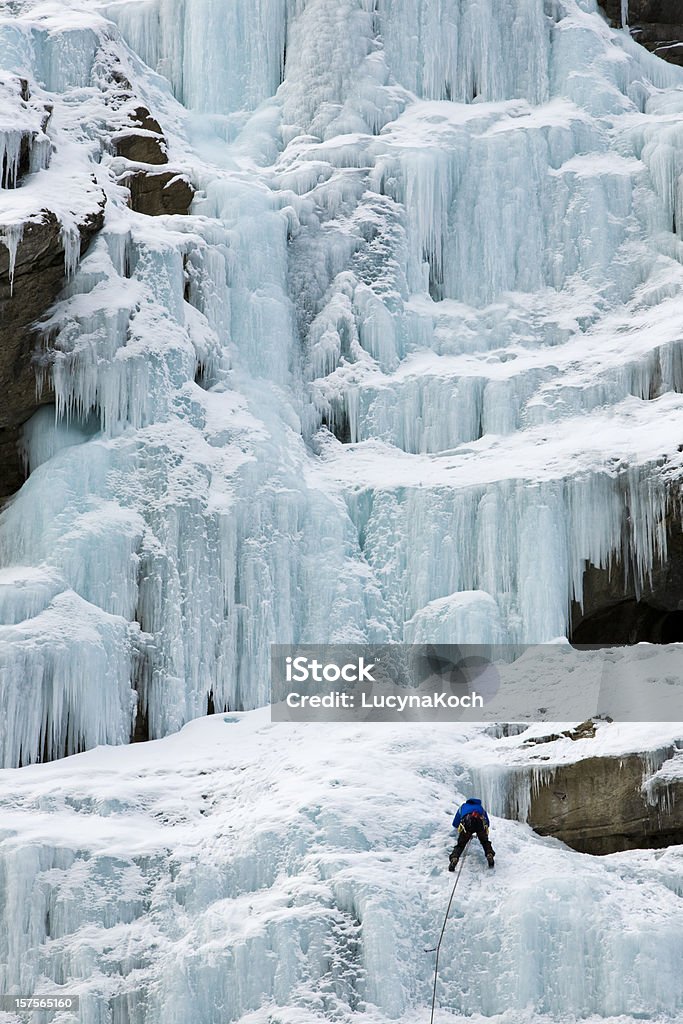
(470, 617)
(589, 787)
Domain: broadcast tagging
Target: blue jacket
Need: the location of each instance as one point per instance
(473, 804)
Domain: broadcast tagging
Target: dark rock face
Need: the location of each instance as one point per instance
(599, 806)
(141, 147)
(38, 278)
(656, 24)
(157, 193)
(144, 141)
(31, 271)
(142, 117)
(38, 273)
(629, 622)
(614, 613)
(151, 192)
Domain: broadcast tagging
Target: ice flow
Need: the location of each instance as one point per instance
(418, 340)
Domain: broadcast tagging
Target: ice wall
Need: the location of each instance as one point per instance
(195, 879)
(217, 56)
(418, 337)
(161, 518)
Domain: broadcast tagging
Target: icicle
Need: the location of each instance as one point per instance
(624, 13)
(10, 153)
(11, 237)
(443, 50)
(41, 151)
(71, 244)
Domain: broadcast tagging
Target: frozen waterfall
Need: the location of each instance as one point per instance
(418, 337)
(411, 362)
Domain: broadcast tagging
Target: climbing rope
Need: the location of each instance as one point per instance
(443, 929)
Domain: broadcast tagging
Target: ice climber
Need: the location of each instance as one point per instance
(471, 820)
